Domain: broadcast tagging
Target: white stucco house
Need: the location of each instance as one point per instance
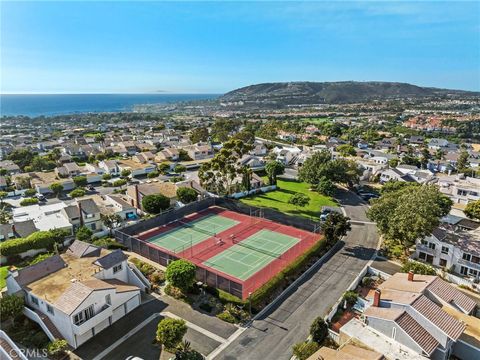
(77, 294)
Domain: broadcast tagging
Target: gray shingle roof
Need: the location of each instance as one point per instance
(88, 206)
(109, 260)
(82, 249)
(35, 272)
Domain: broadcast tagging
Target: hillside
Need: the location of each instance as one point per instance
(297, 93)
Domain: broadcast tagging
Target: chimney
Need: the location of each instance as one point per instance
(80, 213)
(410, 275)
(137, 197)
(376, 298)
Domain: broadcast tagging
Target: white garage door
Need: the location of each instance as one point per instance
(133, 303)
(118, 313)
(101, 326)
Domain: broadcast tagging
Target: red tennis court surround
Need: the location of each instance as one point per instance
(207, 246)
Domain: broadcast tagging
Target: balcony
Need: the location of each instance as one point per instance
(469, 264)
(426, 249)
(105, 312)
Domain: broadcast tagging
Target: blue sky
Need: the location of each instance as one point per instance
(199, 47)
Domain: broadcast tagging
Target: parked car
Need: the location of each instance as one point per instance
(368, 196)
(91, 188)
(40, 197)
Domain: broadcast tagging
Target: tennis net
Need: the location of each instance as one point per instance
(263, 251)
(197, 228)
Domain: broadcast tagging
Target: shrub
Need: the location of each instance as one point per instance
(57, 347)
(170, 332)
(84, 234)
(10, 306)
(28, 201)
(106, 177)
(418, 268)
(319, 330)
(157, 277)
(37, 240)
(226, 316)
(145, 268)
(40, 258)
(350, 297)
(80, 180)
(153, 174)
(304, 350)
(367, 281)
(155, 203)
(110, 244)
(174, 292)
(30, 192)
(119, 182)
(181, 274)
(186, 195)
(78, 192)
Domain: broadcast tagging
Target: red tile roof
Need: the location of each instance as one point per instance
(445, 322)
(418, 334)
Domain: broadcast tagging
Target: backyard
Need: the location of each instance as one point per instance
(278, 199)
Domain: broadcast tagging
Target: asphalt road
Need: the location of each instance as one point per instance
(273, 336)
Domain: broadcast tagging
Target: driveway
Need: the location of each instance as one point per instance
(272, 337)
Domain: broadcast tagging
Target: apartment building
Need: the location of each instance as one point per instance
(77, 294)
(460, 189)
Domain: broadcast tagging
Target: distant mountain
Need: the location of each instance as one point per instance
(295, 93)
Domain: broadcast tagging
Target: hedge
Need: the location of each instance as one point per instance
(276, 282)
(29, 201)
(37, 240)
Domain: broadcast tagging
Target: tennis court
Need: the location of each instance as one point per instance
(250, 255)
(186, 234)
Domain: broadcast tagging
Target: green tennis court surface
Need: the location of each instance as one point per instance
(185, 235)
(247, 257)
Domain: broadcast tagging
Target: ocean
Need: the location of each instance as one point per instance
(62, 104)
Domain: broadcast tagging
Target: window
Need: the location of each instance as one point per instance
(475, 259)
(117, 268)
(431, 246)
(422, 255)
(93, 226)
(444, 250)
(464, 270)
(472, 272)
(466, 256)
(424, 242)
(108, 299)
(443, 262)
(34, 300)
(83, 315)
(50, 309)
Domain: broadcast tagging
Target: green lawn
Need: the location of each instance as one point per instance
(317, 121)
(3, 275)
(278, 199)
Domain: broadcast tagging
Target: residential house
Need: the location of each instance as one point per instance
(459, 188)
(17, 229)
(68, 170)
(259, 149)
(437, 144)
(199, 152)
(110, 166)
(393, 174)
(10, 167)
(144, 157)
(41, 181)
(84, 212)
(136, 168)
(253, 162)
(423, 313)
(167, 154)
(453, 249)
(78, 294)
(135, 193)
(45, 217)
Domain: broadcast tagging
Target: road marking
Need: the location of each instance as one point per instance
(225, 344)
(125, 337)
(195, 327)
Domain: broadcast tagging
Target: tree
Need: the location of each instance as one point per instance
(346, 150)
(125, 173)
(186, 194)
(305, 349)
(299, 200)
(179, 168)
(78, 192)
(164, 168)
(183, 155)
(394, 185)
(393, 163)
(472, 210)
(350, 297)
(100, 138)
(170, 332)
(273, 169)
(219, 174)
(335, 226)
(312, 170)
(326, 187)
(56, 188)
(319, 330)
(155, 203)
(185, 352)
(21, 157)
(84, 234)
(106, 177)
(247, 174)
(11, 306)
(111, 221)
(153, 174)
(80, 181)
(222, 128)
(199, 134)
(57, 348)
(30, 192)
(408, 214)
(28, 201)
(181, 274)
(3, 195)
(462, 162)
(418, 268)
